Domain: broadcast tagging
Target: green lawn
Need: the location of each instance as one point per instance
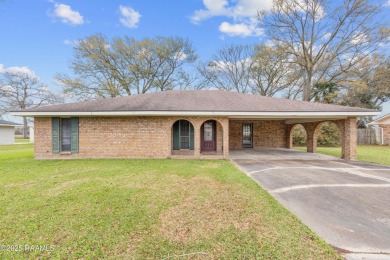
(365, 153)
(21, 140)
(144, 209)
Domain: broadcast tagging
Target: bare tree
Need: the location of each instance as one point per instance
(125, 66)
(22, 90)
(230, 68)
(325, 39)
(271, 71)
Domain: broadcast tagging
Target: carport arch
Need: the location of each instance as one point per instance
(291, 134)
(340, 128)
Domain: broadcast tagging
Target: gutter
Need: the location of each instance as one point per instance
(10, 125)
(382, 136)
(200, 113)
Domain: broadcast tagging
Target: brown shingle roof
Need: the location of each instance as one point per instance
(197, 100)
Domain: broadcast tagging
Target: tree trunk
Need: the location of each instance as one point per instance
(25, 128)
(307, 88)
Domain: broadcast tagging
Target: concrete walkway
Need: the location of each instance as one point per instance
(346, 203)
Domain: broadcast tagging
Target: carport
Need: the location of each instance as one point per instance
(277, 132)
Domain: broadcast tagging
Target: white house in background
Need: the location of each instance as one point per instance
(31, 134)
(7, 132)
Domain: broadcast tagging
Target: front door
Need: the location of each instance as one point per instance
(247, 136)
(209, 136)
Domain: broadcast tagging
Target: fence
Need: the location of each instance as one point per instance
(368, 136)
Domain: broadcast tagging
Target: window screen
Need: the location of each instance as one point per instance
(184, 134)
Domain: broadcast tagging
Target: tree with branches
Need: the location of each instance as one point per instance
(271, 71)
(230, 68)
(369, 84)
(126, 66)
(325, 39)
(23, 90)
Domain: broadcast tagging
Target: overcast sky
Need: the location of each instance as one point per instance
(38, 35)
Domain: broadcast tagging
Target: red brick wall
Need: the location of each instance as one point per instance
(386, 133)
(265, 133)
(119, 137)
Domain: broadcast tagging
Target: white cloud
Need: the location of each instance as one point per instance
(67, 15)
(251, 7)
(360, 38)
(129, 17)
(16, 69)
(242, 12)
(326, 36)
(58, 83)
(240, 29)
(213, 8)
(70, 42)
(304, 6)
(181, 55)
(387, 4)
(241, 9)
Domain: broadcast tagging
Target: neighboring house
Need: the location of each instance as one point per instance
(384, 123)
(7, 132)
(193, 124)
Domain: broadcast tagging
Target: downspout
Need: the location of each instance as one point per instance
(382, 136)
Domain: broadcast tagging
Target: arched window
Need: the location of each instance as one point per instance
(183, 135)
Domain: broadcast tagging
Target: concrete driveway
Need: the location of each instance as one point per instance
(346, 203)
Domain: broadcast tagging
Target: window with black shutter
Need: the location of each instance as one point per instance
(65, 135)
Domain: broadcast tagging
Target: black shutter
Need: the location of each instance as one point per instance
(176, 136)
(55, 134)
(191, 137)
(74, 134)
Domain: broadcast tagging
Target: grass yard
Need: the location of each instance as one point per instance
(365, 153)
(144, 209)
(21, 141)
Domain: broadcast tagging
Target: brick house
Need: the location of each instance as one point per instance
(384, 123)
(191, 124)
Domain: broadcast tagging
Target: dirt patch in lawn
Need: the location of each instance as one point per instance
(205, 208)
(62, 187)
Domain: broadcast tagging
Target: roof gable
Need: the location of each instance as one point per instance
(8, 123)
(382, 120)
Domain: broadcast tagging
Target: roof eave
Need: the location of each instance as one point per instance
(10, 125)
(282, 114)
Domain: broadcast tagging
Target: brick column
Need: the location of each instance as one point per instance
(197, 142)
(349, 139)
(225, 128)
(289, 136)
(311, 136)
